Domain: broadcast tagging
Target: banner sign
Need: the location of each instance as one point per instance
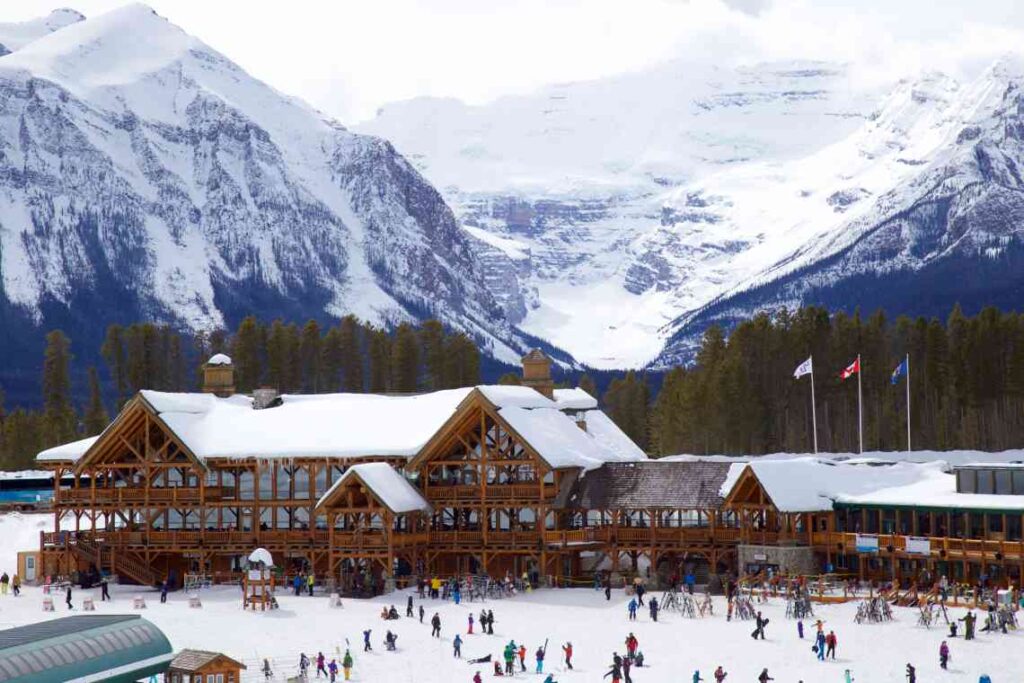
(867, 544)
(917, 545)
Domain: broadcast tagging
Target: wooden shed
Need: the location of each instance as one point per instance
(201, 666)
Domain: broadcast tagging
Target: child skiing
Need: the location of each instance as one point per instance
(366, 640)
(346, 664)
(457, 646)
(320, 668)
(696, 676)
(830, 644)
(539, 656)
(943, 655)
(567, 649)
(435, 623)
(800, 628)
(720, 674)
(632, 609)
(522, 657)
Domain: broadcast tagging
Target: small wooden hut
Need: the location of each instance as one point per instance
(202, 665)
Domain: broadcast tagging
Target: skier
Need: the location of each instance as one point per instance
(267, 673)
(911, 672)
(969, 621)
(470, 631)
(5, 582)
(297, 584)
(764, 677)
(16, 589)
(510, 656)
(477, 679)
(521, 652)
(163, 592)
(800, 628)
(640, 590)
(615, 672)
(639, 659)
(346, 664)
(984, 678)
(761, 623)
(104, 589)
(632, 609)
(333, 668)
(627, 664)
(422, 612)
(457, 647)
(303, 665)
(366, 640)
(539, 656)
(435, 624)
(943, 655)
(550, 679)
(567, 649)
(457, 594)
(490, 622)
(830, 643)
(720, 674)
(652, 606)
(390, 641)
(819, 646)
(728, 611)
(408, 607)
(320, 668)
(608, 590)
(696, 677)
(848, 678)
(310, 580)
(67, 597)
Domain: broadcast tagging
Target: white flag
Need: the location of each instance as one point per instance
(804, 368)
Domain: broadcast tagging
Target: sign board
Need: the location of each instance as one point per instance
(867, 544)
(917, 545)
(760, 557)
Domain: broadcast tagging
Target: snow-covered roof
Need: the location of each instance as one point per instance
(574, 399)
(67, 451)
(317, 425)
(601, 427)
(219, 359)
(507, 395)
(390, 487)
(813, 484)
(559, 440)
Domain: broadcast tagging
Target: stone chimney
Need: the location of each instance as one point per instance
(537, 373)
(219, 376)
(265, 397)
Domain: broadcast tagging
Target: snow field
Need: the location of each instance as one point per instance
(674, 647)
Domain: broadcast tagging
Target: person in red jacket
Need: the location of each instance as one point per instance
(477, 679)
(567, 649)
(830, 644)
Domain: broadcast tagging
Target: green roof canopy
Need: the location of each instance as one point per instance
(82, 649)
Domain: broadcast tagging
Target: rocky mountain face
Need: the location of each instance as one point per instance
(145, 176)
(640, 209)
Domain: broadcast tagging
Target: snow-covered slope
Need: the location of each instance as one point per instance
(16, 35)
(634, 211)
(143, 175)
(927, 207)
(595, 190)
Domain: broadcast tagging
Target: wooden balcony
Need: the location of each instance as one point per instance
(942, 547)
(441, 493)
(125, 495)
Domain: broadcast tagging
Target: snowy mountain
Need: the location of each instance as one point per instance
(145, 176)
(931, 212)
(16, 35)
(635, 211)
(595, 192)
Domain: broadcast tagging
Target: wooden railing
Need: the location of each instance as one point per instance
(958, 548)
(442, 492)
(136, 495)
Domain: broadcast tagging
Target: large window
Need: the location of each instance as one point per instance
(985, 483)
(968, 480)
(1004, 485)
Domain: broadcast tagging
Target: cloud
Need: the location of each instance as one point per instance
(753, 7)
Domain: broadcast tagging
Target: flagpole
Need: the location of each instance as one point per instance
(814, 412)
(860, 406)
(907, 361)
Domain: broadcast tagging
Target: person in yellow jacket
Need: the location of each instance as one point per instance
(309, 582)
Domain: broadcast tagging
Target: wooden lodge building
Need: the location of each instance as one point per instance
(490, 479)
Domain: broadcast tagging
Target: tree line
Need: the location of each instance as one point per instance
(350, 356)
(740, 397)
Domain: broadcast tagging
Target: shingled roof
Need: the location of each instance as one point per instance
(195, 660)
(649, 484)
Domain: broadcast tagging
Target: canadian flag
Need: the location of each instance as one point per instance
(851, 370)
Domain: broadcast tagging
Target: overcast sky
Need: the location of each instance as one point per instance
(348, 57)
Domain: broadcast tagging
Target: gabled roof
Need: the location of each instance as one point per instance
(195, 660)
(650, 484)
(384, 483)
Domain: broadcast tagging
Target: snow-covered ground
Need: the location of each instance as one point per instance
(674, 646)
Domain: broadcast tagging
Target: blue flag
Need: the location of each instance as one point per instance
(900, 370)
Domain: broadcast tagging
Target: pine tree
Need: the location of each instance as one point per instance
(510, 379)
(628, 400)
(310, 356)
(278, 359)
(95, 417)
(405, 360)
(351, 354)
(462, 362)
(114, 353)
(246, 355)
(587, 384)
(380, 360)
(432, 351)
(58, 416)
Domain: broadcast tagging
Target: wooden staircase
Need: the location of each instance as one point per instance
(122, 564)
